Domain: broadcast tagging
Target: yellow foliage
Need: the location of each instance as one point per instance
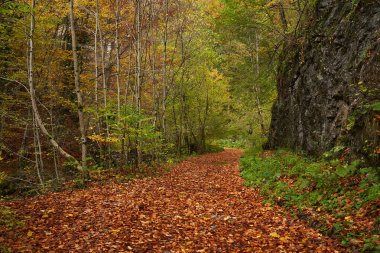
(3, 176)
(102, 139)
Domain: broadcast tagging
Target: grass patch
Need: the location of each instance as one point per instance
(231, 143)
(339, 198)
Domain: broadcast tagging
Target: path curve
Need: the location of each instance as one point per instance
(201, 205)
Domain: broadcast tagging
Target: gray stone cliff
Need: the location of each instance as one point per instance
(329, 82)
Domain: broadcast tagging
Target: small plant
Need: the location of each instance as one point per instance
(8, 218)
(81, 183)
(334, 152)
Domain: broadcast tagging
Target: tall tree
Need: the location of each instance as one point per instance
(78, 87)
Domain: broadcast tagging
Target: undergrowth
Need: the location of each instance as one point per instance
(231, 143)
(8, 218)
(9, 221)
(339, 198)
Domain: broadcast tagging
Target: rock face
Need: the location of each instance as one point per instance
(329, 82)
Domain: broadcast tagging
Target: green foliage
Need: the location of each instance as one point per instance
(8, 218)
(321, 185)
(80, 183)
(348, 169)
(334, 152)
(213, 148)
(3, 176)
(231, 143)
(247, 63)
(370, 184)
(354, 3)
(254, 145)
(262, 171)
(375, 106)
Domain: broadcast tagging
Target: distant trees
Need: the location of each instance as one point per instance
(107, 83)
(251, 36)
(121, 82)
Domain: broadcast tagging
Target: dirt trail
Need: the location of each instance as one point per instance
(201, 205)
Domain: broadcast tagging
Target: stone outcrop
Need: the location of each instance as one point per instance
(329, 82)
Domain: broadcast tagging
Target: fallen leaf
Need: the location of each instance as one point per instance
(274, 234)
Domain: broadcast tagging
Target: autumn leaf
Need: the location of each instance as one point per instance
(274, 234)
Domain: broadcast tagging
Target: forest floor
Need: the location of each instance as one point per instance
(200, 205)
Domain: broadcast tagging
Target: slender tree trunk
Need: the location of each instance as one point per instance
(174, 115)
(256, 88)
(153, 64)
(154, 84)
(203, 124)
(103, 59)
(77, 86)
(182, 96)
(32, 92)
(104, 78)
(138, 76)
(117, 42)
(39, 149)
(36, 152)
(128, 79)
(164, 75)
(96, 67)
(118, 57)
(97, 13)
(284, 22)
(138, 56)
(54, 150)
(22, 151)
(124, 150)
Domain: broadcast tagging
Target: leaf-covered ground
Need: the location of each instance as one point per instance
(201, 205)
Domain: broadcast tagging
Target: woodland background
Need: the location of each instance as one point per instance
(113, 84)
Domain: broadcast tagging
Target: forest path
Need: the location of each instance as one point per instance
(201, 205)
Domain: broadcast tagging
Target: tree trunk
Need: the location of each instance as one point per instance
(164, 77)
(32, 91)
(138, 78)
(256, 88)
(96, 68)
(37, 154)
(284, 22)
(118, 57)
(77, 86)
